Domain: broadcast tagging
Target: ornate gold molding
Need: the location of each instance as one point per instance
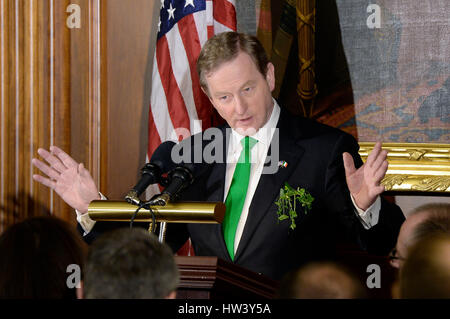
(417, 167)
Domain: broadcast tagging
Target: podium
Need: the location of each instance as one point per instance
(215, 278)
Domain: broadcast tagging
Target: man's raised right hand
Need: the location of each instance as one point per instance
(69, 179)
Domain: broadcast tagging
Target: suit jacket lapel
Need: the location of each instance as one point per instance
(269, 184)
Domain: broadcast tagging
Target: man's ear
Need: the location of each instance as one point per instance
(270, 76)
(79, 291)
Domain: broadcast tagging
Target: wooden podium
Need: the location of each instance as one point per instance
(215, 278)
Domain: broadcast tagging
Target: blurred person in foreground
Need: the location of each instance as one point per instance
(426, 270)
(129, 264)
(35, 255)
(321, 280)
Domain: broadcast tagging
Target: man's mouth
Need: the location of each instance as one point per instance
(245, 120)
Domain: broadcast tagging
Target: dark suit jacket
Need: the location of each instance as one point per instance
(314, 155)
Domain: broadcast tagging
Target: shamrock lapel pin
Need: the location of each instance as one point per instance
(290, 201)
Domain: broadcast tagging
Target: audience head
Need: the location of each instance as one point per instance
(35, 255)
(424, 221)
(130, 263)
(426, 270)
(321, 280)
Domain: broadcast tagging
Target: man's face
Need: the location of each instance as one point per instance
(241, 94)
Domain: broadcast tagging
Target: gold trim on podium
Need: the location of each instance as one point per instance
(182, 212)
(416, 167)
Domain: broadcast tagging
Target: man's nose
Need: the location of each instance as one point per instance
(240, 106)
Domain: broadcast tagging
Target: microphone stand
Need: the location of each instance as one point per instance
(157, 200)
(162, 232)
(160, 200)
(162, 225)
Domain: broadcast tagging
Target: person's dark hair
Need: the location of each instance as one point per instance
(321, 280)
(35, 255)
(224, 47)
(426, 271)
(129, 263)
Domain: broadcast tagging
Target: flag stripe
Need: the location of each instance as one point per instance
(180, 60)
(200, 22)
(153, 137)
(209, 18)
(219, 27)
(160, 123)
(191, 43)
(225, 13)
(210, 31)
(175, 102)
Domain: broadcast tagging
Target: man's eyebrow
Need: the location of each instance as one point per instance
(220, 93)
(249, 82)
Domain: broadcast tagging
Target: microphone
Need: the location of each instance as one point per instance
(179, 179)
(160, 163)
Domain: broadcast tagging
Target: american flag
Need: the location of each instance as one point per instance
(177, 101)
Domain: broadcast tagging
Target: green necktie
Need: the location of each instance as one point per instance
(237, 193)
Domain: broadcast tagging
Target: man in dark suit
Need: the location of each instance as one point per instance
(238, 79)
